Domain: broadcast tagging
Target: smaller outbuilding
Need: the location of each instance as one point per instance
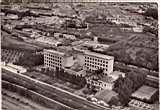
(146, 93)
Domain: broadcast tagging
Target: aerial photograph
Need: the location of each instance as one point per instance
(58, 55)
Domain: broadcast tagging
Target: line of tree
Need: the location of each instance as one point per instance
(126, 86)
(152, 12)
(30, 60)
(78, 80)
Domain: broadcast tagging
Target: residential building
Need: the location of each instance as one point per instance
(138, 105)
(95, 61)
(104, 82)
(100, 84)
(55, 59)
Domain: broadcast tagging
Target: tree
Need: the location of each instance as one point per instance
(151, 12)
(124, 94)
(99, 73)
(114, 101)
(137, 79)
(118, 82)
(125, 86)
(30, 60)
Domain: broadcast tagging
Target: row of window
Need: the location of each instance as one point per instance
(53, 56)
(53, 63)
(96, 64)
(96, 83)
(95, 59)
(53, 60)
(94, 68)
(52, 66)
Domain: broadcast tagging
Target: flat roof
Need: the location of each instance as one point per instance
(117, 73)
(98, 55)
(12, 67)
(54, 51)
(145, 92)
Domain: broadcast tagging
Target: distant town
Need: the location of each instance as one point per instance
(79, 56)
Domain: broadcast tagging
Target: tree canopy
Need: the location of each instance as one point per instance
(30, 60)
(151, 12)
(125, 86)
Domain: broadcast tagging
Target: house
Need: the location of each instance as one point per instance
(102, 83)
(138, 105)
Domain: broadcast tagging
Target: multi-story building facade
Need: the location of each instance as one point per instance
(55, 59)
(95, 61)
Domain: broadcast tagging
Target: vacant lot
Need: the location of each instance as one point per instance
(11, 42)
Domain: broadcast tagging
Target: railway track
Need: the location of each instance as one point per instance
(52, 92)
(22, 90)
(14, 102)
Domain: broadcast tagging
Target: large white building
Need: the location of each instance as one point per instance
(55, 59)
(95, 61)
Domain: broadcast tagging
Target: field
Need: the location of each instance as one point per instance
(140, 50)
(9, 42)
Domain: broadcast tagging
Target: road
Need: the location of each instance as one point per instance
(60, 95)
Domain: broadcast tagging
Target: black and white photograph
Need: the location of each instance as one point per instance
(79, 55)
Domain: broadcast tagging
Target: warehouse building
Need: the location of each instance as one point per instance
(146, 93)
